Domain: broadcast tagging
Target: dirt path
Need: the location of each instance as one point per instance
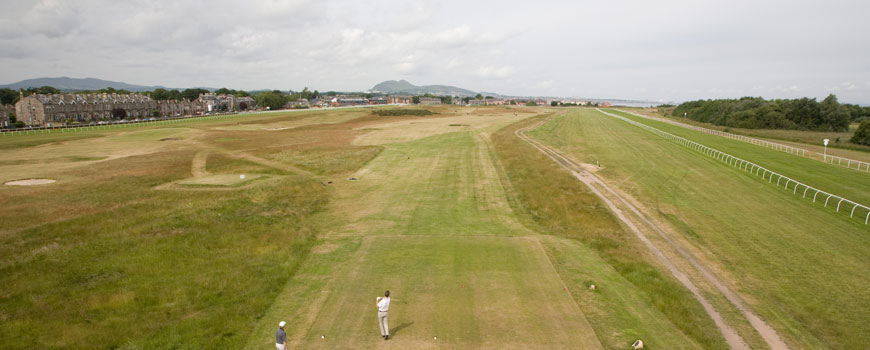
(273, 164)
(197, 167)
(614, 201)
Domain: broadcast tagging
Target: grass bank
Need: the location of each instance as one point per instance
(564, 207)
(802, 268)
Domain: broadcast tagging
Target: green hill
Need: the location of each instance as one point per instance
(404, 87)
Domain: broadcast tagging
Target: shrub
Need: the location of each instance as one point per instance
(862, 135)
(399, 112)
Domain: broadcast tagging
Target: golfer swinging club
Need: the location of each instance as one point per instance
(384, 306)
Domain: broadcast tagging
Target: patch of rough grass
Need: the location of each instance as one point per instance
(64, 159)
(402, 111)
(224, 180)
(554, 200)
(329, 160)
(219, 163)
(12, 141)
(150, 269)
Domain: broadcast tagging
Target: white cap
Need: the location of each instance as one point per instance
(281, 324)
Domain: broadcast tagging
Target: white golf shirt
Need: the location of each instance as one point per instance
(384, 305)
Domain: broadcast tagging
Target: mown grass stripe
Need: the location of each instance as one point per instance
(742, 164)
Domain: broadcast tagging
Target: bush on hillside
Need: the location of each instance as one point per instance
(862, 135)
(758, 113)
(400, 112)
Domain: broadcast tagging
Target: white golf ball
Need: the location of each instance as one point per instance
(435, 338)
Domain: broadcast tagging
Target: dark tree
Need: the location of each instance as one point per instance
(833, 114)
(415, 100)
(192, 94)
(119, 113)
(160, 94)
(862, 135)
(175, 95)
(478, 97)
(47, 90)
(271, 99)
(756, 112)
(8, 96)
(307, 94)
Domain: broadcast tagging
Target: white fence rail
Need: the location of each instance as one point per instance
(757, 170)
(827, 158)
(129, 124)
(113, 125)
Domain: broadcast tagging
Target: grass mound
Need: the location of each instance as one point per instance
(401, 112)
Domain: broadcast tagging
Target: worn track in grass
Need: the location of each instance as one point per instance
(638, 222)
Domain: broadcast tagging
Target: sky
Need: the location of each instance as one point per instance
(645, 50)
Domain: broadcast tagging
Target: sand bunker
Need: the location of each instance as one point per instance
(30, 182)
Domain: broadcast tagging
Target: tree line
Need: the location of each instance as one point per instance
(758, 113)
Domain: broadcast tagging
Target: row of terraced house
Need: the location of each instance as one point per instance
(60, 109)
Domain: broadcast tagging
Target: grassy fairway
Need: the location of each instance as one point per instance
(429, 216)
(803, 268)
(470, 292)
(150, 240)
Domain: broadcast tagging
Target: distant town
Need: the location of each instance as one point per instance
(49, 107)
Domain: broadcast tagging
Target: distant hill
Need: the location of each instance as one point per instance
(404, 87)
(76, 84)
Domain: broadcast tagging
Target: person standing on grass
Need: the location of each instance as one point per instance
(281, 337)
(384, 306)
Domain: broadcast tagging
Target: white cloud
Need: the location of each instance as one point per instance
(456, 63)
(490, 72)
(351, 45)
(405, 67)
(546, 84)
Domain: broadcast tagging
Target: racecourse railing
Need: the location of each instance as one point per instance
(822, 157)
(112, 125)
(754, 169)
(131, 123)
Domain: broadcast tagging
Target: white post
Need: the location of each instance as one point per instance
(825, 154)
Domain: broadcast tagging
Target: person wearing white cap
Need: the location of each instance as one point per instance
(281, 337)
(383, 307)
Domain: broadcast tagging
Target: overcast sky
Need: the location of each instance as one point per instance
(655, 50)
